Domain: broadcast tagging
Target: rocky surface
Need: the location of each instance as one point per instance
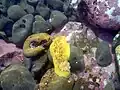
(17, 77)
(15, 12)
(43, 10)
(79, 35)
(102, 13)
(50, 81)
(40, 25)
(9, 54)
(103, 54)
(22, 29)
(57, 19)
(36, 16)
(76, 60)
(55, 4)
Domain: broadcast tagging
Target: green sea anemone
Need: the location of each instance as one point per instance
(36, 43)
(60, 52)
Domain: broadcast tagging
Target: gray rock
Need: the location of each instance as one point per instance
(22, 29)
(40, 25)
(55, 4)
(28, 63)
(39, 64)
(51, 81)
(109, 86)
(29, 9)
(3, 9)
(72, 18)
(103, 54)
(16, 77)
(15, 12)
(8, 3)
(3, 21)
(76, 59)
(57, 19)
(43, 10)
(39, 18)
(32, 2)
(23, 3)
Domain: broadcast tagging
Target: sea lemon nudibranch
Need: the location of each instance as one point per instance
(60, 52)
(36, 43)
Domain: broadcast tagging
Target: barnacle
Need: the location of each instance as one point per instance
(36, 43)
(60, 52)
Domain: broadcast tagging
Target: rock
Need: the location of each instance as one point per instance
(9, 54)
(67, 8)
(39, 18)
(32, 2)
(106, 37)
(15, 12)
(57, 19)
(40, 25)
(103, 54)
(55, 4)
(8, 28)
(116, 83)
(74, 3)
(3, 21)
(76, 60)
(101, 13)
(3, 9)
(8, 3)
(28, 63)
(3, 35)
(50, 81)
(49, 56)
(109, 86)
(43, 10)
(17, 77)
(22, 29)
(29, 9)
(79, 35)
(72, 18)
(38, 65)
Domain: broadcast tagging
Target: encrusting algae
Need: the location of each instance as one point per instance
(60, 52)
(36, 43)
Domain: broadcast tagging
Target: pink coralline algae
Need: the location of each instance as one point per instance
(103, 13)
(9, 54)
(94, 76)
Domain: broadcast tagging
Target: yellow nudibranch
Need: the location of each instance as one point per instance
(36, 43)
(60, 52)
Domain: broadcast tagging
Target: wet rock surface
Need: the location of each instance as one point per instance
(22, 29)
(76, 60)
(16, 77)
(103, 54)
(40, 25)
(55, 4)
(57, 19)
(43, 10)
(3, 21)
(36, 16)
(102, 13)
(15, 12)
(51, 81)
